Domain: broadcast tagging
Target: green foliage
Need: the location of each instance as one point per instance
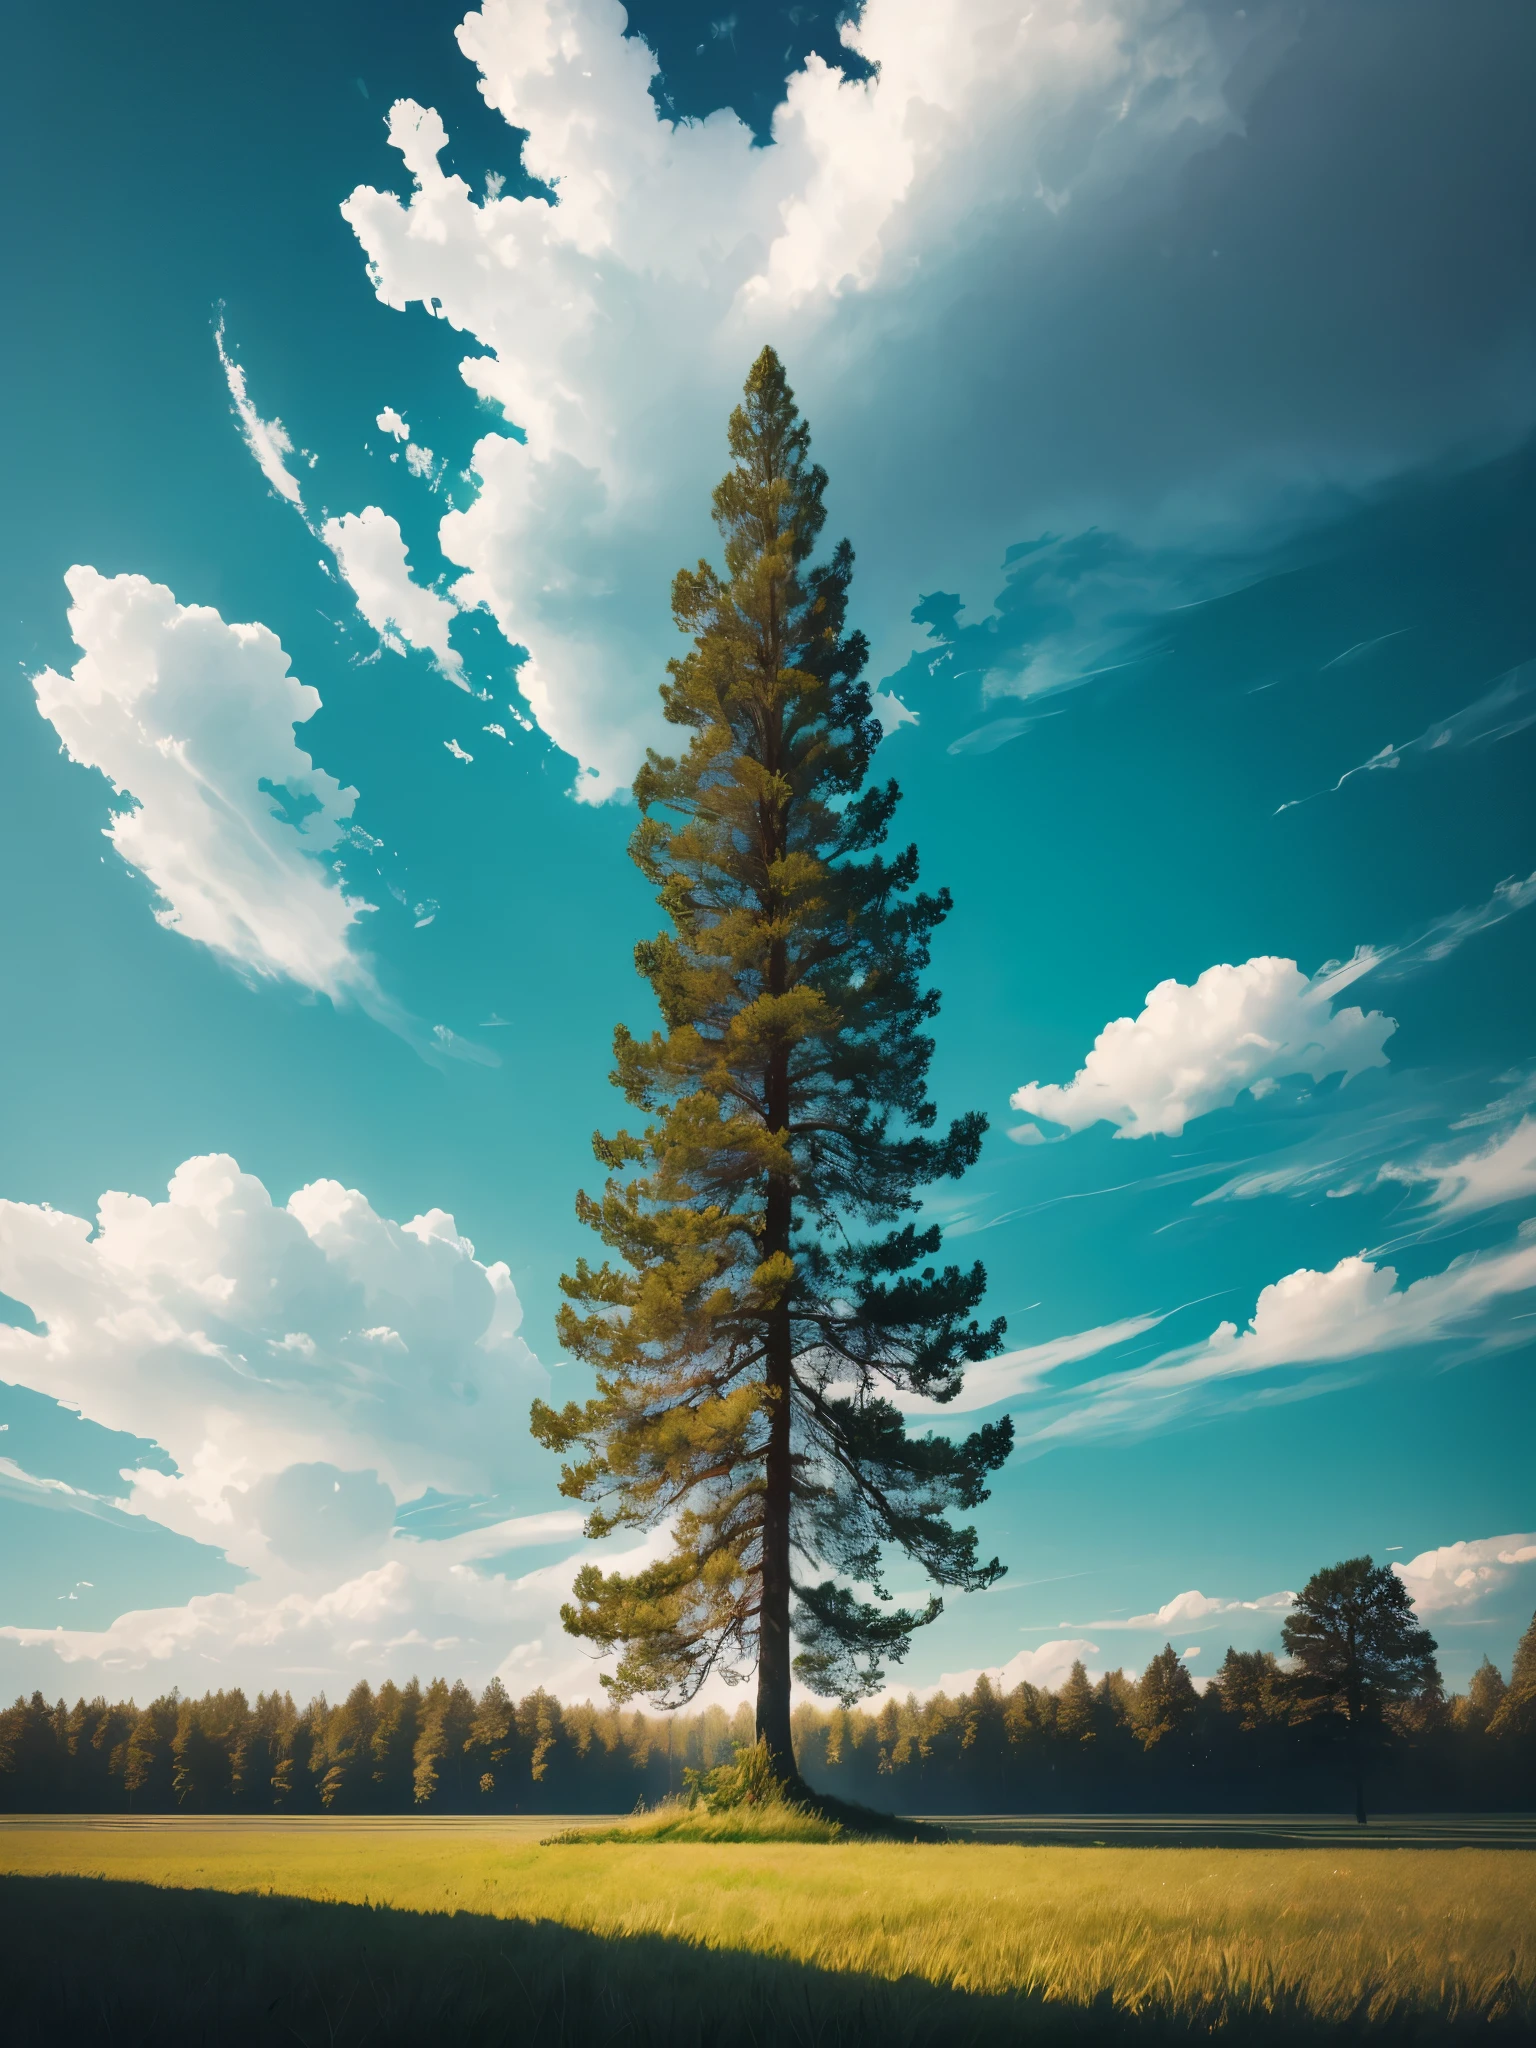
(742, 1801)
(1359, 1653)
(1515, 1719)
(1075, 1717)
(1250, 1686)
(1484, 1696)
(680, 1822)
(1356, 1643)
(1122, 1744)
(1165, 1700)
(749, 1779)
(771, 1292)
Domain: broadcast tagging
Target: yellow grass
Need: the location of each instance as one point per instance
(1450, 1930)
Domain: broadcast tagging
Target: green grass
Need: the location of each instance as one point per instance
(677, 1821)
(391, 1935)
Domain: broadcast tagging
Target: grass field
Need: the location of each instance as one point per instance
(393, 1935)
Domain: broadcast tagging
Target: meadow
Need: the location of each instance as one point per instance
(339, 1934)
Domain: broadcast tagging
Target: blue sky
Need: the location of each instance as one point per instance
(1175, 367)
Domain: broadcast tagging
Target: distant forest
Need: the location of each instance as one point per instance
(1152, 1744)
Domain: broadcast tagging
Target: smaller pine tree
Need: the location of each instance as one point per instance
(1165, 1699)
(1074, 1706)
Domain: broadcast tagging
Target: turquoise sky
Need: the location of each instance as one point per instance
(1176, 375)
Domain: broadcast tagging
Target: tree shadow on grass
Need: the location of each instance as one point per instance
(138, 1966)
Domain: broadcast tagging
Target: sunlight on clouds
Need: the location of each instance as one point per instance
(1195, 1049)
(246, 1337)
(1195, 1610)
(1353, 1311)
(368, 546)
(193, 720)
(614, 327)
(1459, 1576)
(370, 553)
(1015, 1372)
(1499, 1172)
(1047, 1665)
(307, 1367)
(268, 440)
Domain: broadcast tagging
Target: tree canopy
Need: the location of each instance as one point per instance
(1358, 1650)
(772, 1297)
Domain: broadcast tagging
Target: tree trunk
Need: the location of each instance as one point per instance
(773, 1655)
(773, 1651)
(1354, 1707)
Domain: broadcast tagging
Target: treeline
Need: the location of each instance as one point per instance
(1122, 1744)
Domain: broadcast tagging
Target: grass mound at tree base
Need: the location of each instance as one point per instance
(678, 1820)
(747, 1801)
(817, 1820)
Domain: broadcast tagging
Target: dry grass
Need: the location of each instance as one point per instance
(1342, 1939)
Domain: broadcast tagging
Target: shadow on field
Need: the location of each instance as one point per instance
(92, 1960)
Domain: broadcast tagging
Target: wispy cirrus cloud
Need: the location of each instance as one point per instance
(1458, 1184)
(1303, 1323)
(268, 440)
(1011, 1373)
(1443, 936)
(1509, 707)
(368, 547)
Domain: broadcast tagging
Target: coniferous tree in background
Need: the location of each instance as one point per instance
(772, 1293)
(1249, 1686)
(1166, 1699)
(1248, 1747)
(1484, 1696)
(1516, 1712)
(1075, 1705)
(1359, 1651)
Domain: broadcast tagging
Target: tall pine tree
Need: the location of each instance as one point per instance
(771, 1291)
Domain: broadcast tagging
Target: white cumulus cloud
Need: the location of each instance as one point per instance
(390, 422)
(1194, 1610)
(247, 1337)
(1460, 1576)
(371, 554)
(614, 327)
(1195, 1049)
(1047, 1665)
(193, 721)
(307, 1366)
